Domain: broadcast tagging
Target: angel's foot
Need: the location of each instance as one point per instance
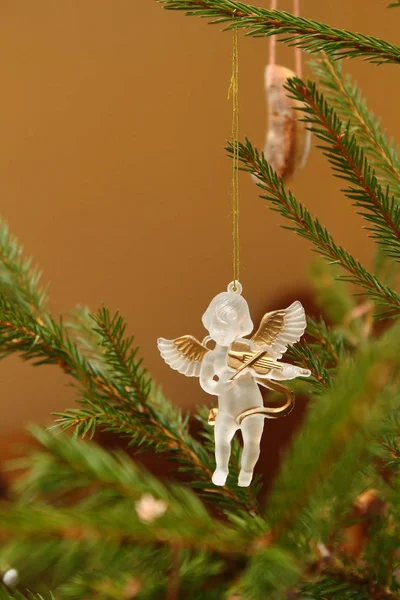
(219, 477)
(245, 478)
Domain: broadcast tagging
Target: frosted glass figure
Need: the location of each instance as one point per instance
(234, 369)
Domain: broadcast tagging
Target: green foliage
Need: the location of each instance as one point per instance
(330, 293)
(344, 95)
(72, 533)
(322, 354)
(309, 35)
(333, 440)
(19, 278)
(114, 390)
(69, 465)
(6, 594)
(284, 202)
(270, 573)
(350, 163)
(336, 590)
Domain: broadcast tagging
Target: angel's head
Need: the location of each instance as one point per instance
(227, 318)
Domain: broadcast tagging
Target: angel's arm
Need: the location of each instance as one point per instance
(207, 382)
(288, 372)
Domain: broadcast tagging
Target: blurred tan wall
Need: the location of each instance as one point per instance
(113, 118)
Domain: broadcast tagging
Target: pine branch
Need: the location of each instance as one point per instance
(91, 536)
(352, 323)
(331, 294)
(350, 163)
(121, 355)
(322, 473)
(389, 444)
(305, 225)
(333, 442)
(6, 594)
(346, 98)
(132, 379)
(321, 355)
(336, 589)
(327, 340)
(122, 398)
(60, 563)
(303, 356)
(338, 583)
(115, 483)
(270, 574)
(79, 324)
(309, 35)
(19, 278)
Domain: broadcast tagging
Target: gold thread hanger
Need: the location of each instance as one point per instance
(234, 91)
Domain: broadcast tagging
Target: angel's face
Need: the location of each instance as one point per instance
(224, 335)
(227, 318)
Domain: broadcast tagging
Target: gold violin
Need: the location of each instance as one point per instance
(241, 356)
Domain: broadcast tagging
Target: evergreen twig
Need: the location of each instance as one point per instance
(350, 163)
(121, 398)
(19, 277)
(321, 355)
(304, 224)
(335, 433)
(345, 96)
(68, 464)
(339, 583)
(309, 35)
(7, 594)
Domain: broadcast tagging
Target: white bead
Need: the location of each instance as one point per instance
(149, 508)
(10, 577)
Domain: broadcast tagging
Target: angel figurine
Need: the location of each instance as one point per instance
(234, 369)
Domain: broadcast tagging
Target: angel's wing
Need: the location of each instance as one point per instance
(281, 328)
(183, 354)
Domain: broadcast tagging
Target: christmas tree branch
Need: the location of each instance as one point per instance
(117, 489)
(327, 340)
(131, 379)
(19, 278)
(350, 163)
(321, 355)
(80, 325)
(118, 395)
(305, 225)
(346, 98)
(270, 574)
(304, 356)
(84, 508)
(332, 295)
(59, 562)
(7, 594)
(335, 435)
(339, 583)
(309, 35)
(322, 473)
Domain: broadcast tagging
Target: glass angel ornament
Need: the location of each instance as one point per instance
(234, 369)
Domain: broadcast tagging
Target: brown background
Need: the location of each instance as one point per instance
(112, 170)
